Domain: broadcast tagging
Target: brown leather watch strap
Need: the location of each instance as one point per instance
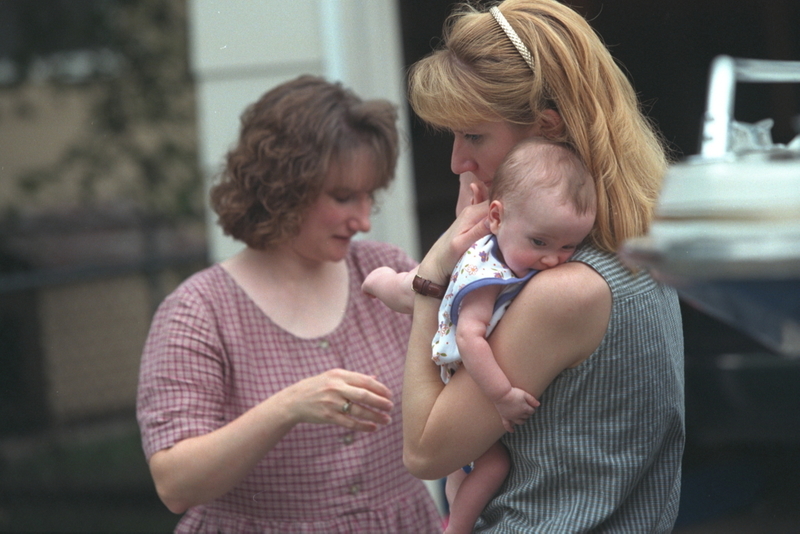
(428, 288)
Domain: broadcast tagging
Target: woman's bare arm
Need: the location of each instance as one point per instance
(556, 322)
(196, 470)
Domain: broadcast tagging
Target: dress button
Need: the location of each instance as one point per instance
(354, 489)
(324, 344)
(348, 439)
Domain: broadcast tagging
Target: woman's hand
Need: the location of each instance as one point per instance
(470, 191)
(198, 469)
(340, 397)
(471, 225)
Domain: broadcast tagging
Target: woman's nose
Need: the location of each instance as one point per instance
(461, 160)
(360, 220)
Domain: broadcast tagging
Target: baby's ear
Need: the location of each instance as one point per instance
(495, 215)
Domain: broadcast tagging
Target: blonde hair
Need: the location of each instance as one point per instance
(478, 75)
(537, 163)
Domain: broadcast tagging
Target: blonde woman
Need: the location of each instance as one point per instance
(600, 346)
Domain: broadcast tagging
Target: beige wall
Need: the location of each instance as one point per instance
(36, 123)
(92, 331)
(92, 335)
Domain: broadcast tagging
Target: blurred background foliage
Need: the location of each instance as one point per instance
(84, 220)
(139, 147)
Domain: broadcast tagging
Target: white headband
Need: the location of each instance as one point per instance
(512, 36)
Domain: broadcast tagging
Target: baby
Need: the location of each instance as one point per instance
(542, 206)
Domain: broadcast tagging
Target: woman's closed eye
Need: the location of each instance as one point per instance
(346, 196)
(344, 199)
(469, 137)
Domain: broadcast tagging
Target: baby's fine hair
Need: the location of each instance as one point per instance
(537, 163)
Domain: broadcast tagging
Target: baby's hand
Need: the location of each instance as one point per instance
(515, 407)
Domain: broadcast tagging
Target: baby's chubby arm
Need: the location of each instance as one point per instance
(514, 404)
(392, 288)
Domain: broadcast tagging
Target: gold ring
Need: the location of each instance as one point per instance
(346, 407)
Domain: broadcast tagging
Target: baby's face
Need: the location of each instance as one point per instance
(538, 233)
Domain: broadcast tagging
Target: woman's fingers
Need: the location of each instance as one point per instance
(480, 193)
(472, 225)
(370, 399)
(342, 397)
(367, 399)
(469, 226)
(359, 415)
(466, 191)
(370, 390)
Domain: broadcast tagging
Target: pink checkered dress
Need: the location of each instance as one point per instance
(212, 354)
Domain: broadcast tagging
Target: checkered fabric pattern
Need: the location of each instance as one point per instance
(212, 354)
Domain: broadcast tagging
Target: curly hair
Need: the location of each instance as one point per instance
(478, 75)
(289, 140)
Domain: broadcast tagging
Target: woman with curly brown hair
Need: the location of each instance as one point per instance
(269, 382)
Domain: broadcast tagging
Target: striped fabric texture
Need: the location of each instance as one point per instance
(603, 452)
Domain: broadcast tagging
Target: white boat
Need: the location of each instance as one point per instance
(727, 227)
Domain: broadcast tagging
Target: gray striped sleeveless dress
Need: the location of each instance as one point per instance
(603, 452)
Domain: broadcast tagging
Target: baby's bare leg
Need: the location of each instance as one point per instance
(476, 490)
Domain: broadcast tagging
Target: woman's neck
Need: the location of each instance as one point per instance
(284, 266)
(306, 298)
